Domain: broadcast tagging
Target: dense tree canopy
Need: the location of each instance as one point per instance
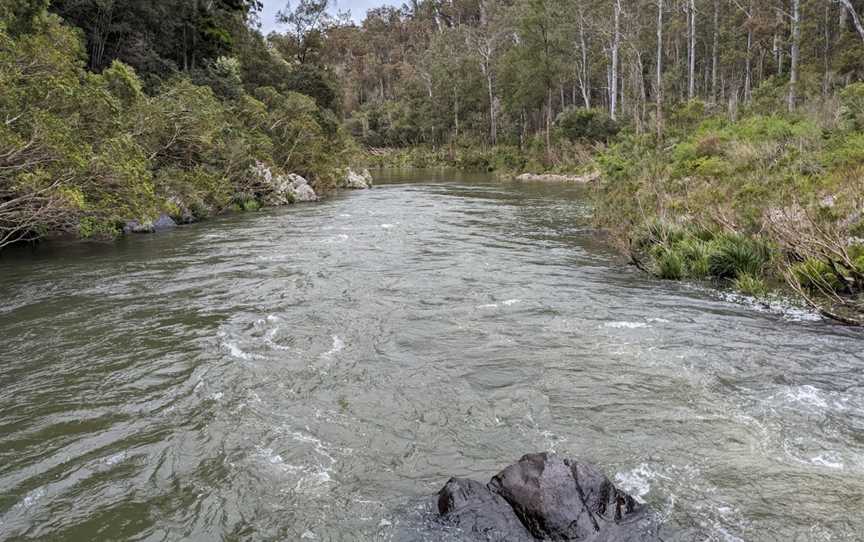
(116, 110)
(505, 69)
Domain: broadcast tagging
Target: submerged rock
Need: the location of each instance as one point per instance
(356, 180)
(545, 497)
(164, 222)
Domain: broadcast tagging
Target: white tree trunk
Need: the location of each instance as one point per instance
(856, 20)
(616, 44)
(659, 80)
(715, 51)
(796, 54)
(748, 67)
(691, 72)
(584, 76)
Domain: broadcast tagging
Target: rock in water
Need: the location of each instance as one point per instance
(164, 222)
(545, 497)
(357, 180)
(301, 189)
(277, 189)
(470, 506)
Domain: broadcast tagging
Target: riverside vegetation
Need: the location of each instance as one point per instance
(729, 134)
(113, 113)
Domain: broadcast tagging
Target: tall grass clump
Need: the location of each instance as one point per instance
(734, 255)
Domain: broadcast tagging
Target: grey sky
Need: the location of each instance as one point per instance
(358, 10)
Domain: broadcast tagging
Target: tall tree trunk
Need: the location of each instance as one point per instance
(639, 106)
(856, 19)
(456, 110)
(778, 45)
(194, 34)
(715, 51)
(487, 47)
(796, 54)
(748, 67)
(826, 52)
(658, 92)
(584, 74)
(549, 121)
(616, 44)
(493, 117)
(691, 52)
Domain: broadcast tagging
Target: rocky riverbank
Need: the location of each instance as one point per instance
(555, 178)
(268, 189)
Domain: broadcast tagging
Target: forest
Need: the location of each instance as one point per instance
(728, 134)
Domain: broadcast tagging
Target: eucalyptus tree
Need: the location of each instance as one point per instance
(487, 40)
(853, 13)
(306, 22)
(157, 36)
(795, 55)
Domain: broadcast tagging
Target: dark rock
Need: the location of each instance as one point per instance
(470, 506)
(549, 498)
(164, 222)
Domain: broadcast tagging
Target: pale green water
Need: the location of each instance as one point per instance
(318, 370)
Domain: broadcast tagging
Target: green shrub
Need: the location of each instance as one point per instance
(669, 264)
(695, 253)
(123, 83)
(750, 285)
(847, 151)
(735, 255)
(586, 125)
(816, 276)
(856, 254)
(852, 106)
(687, 114)
(90, 227)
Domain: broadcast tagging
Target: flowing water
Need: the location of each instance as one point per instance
(316, 372)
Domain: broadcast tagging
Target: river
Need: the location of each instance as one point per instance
(316, 372)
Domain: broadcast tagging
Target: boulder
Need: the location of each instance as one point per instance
(474, 509)
(281, 189)
(356, 180)
(164, 222)
(302, 190)
(545, 497)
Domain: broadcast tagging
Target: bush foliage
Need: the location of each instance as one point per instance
(82, 152)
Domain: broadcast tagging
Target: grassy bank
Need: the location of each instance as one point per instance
(579, 135)
(764, 203)
(502, 159)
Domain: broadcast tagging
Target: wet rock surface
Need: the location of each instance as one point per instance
(357, 181)
(546, 497)
(276, 189)
(472, 507)
(163, 222)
